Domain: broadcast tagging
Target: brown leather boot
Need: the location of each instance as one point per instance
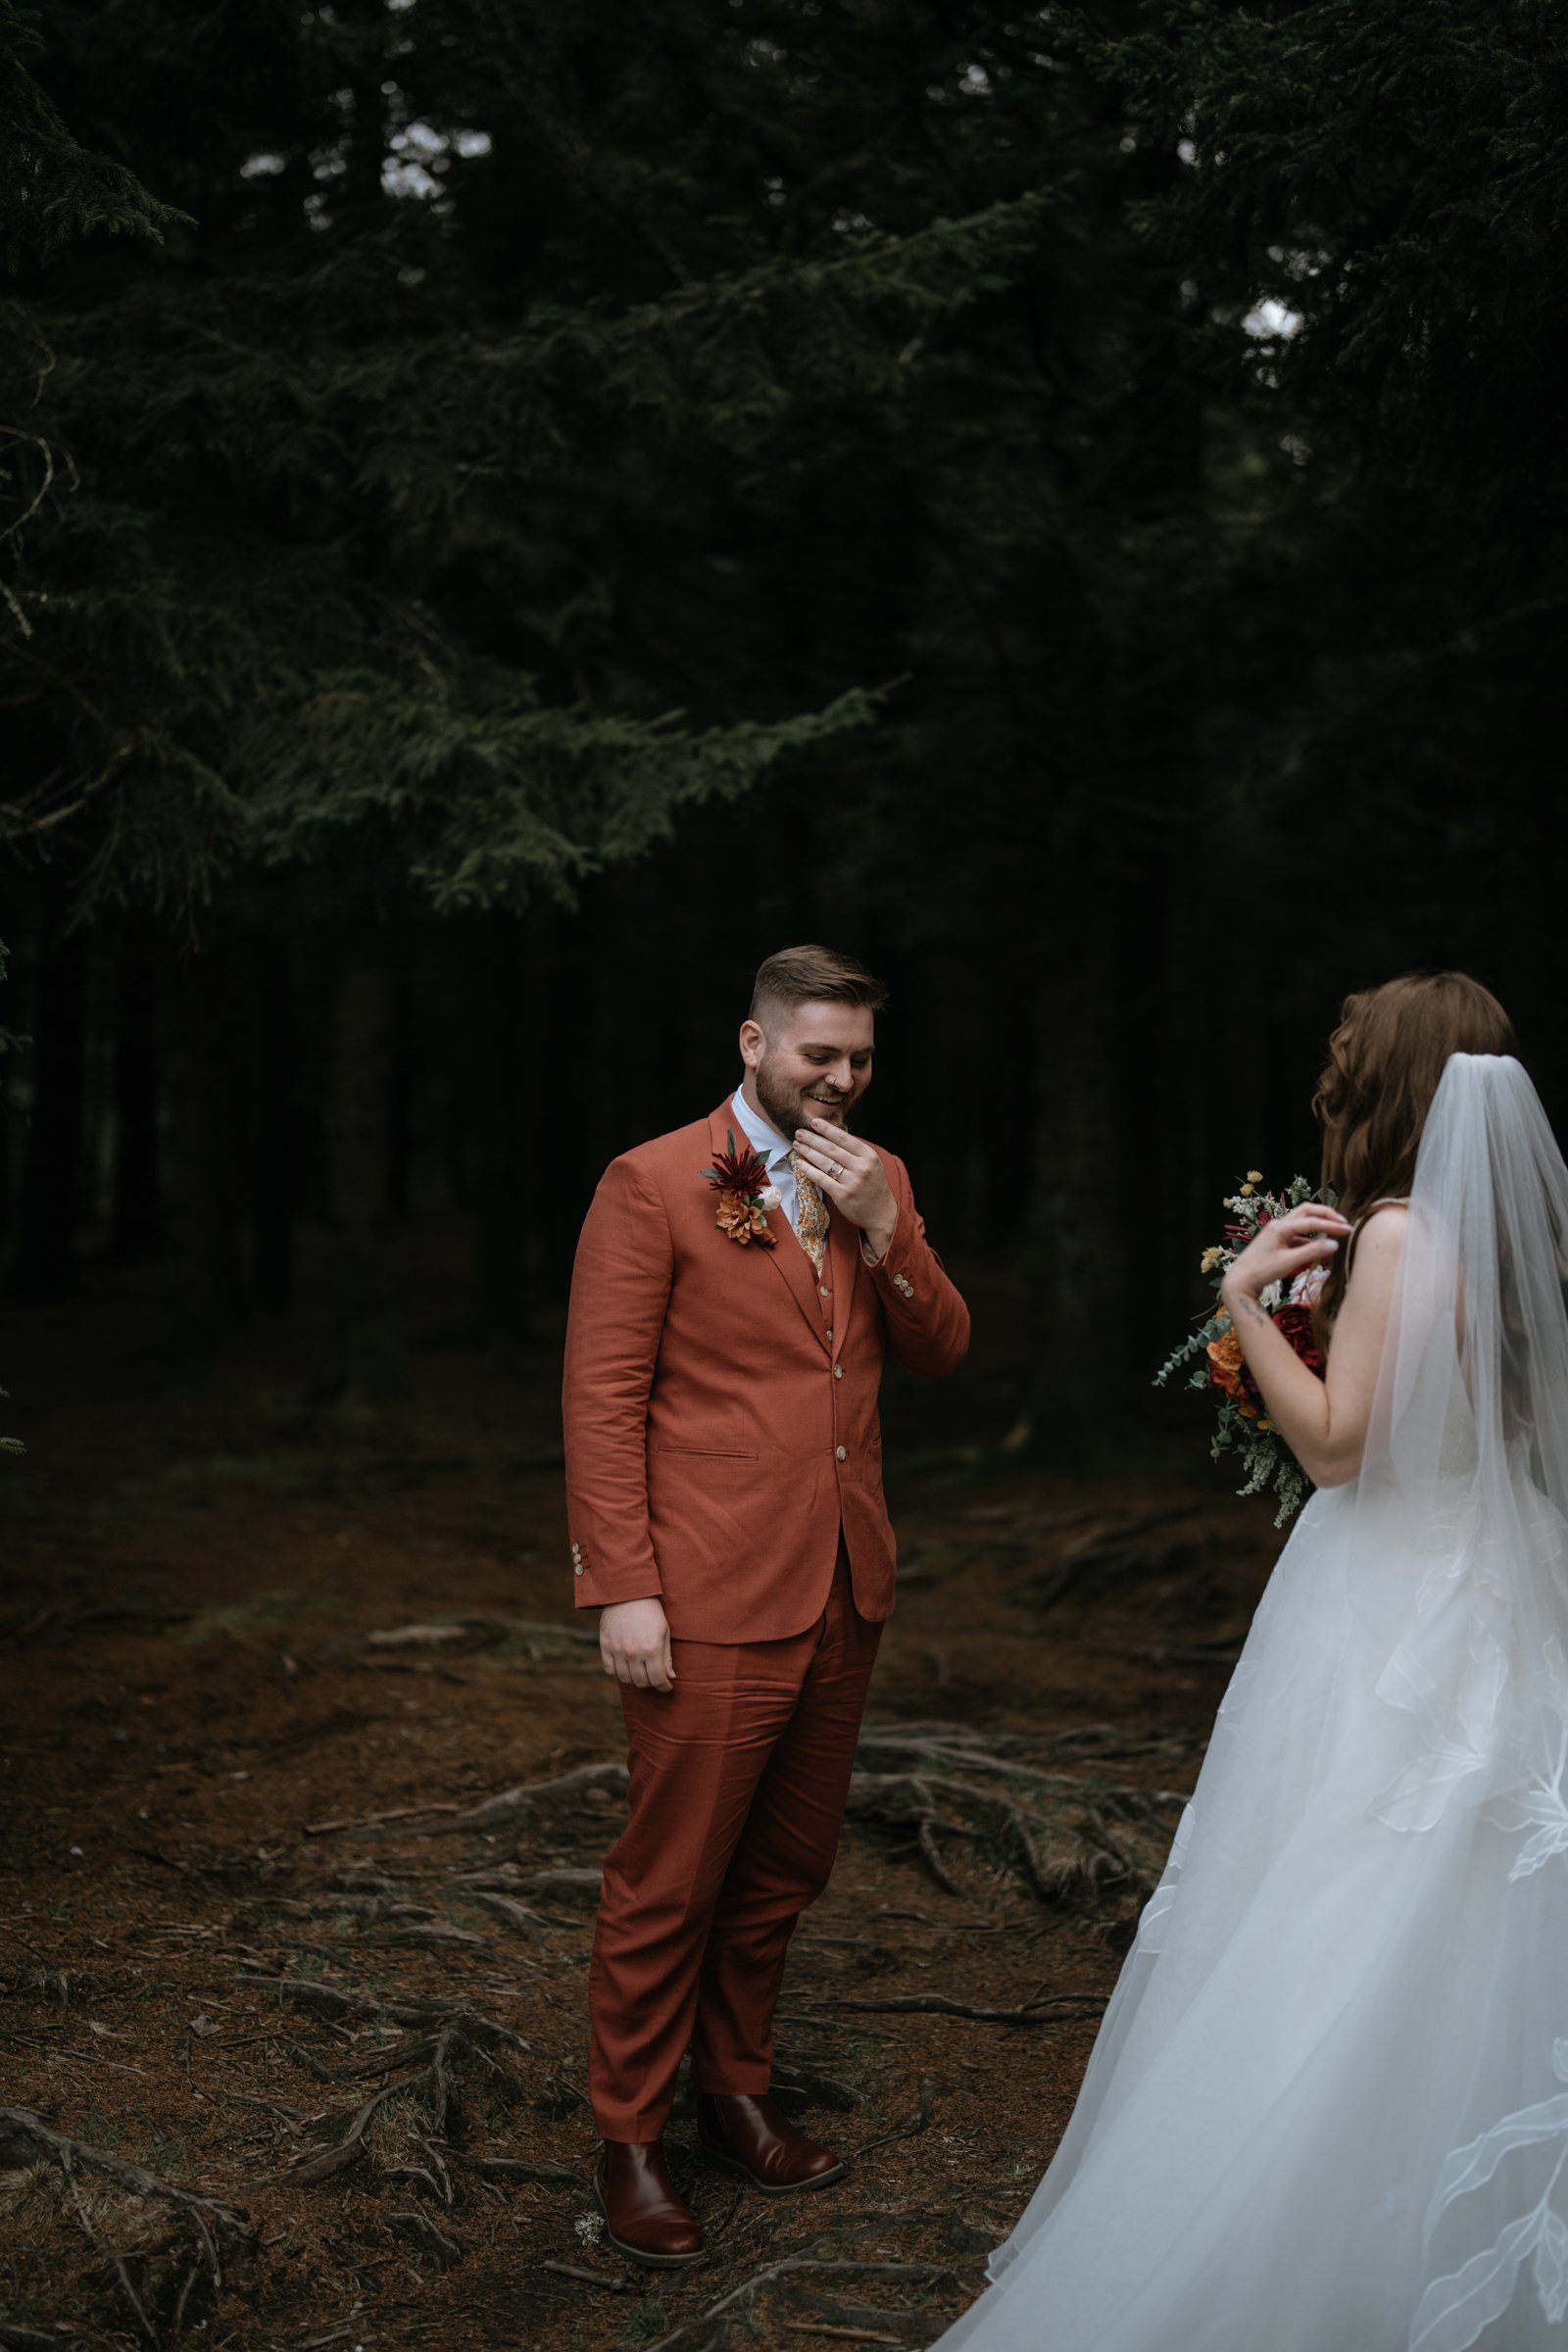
(644, 2213)
(753, 2137)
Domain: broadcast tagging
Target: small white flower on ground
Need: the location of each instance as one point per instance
(769, 1197)
(589, 2227)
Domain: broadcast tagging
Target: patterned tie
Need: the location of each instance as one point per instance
(811, 1215)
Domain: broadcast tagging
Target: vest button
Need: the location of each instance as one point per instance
(843, 1453)
(838, 1371)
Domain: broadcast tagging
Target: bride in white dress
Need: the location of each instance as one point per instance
(1328, 2107)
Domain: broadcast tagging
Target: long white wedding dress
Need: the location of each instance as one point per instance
(1328, 2107)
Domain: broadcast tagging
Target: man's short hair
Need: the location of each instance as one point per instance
(814, 977)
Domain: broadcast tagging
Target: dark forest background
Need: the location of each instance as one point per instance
(514, 511)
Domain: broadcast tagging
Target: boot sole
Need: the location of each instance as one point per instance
(772, 2188)
(649, 2262)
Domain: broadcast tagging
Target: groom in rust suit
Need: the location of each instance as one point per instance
(724, 1485)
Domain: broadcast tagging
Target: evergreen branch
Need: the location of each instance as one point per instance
(270, 374)
(53, 190)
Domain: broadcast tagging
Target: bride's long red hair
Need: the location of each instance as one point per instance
(1385, 1060)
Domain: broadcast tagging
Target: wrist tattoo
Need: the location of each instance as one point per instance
(1253, 1310)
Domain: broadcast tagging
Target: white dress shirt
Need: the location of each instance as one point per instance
(767, 1142)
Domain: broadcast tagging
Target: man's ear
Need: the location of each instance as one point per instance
(752, 1043)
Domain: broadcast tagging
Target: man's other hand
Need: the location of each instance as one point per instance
(634, 1644)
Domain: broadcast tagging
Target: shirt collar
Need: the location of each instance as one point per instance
(763, 1136)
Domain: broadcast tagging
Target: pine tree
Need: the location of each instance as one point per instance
(311, 488)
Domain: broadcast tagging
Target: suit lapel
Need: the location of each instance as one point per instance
(795, 1269)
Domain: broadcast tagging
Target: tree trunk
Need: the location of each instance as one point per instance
(1079, 1238)
(502, 1130)
(137, 1202)
(275, 1137)
(49, 1207)
(358, 1128)
(207, 1157)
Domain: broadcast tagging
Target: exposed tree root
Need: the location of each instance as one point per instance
(517, 2168)
(27, 2139)
(1121, 1548)
(422, 2233)
(913, 2123)
(334, 2000)
(438, 1821)
(221, 2241)
(424, 2070)
(1066, 1848)
(795, 2265)
(527, 1922)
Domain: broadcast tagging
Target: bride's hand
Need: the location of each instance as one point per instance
(1283, 1247)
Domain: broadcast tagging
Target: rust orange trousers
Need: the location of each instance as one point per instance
(739, 1777)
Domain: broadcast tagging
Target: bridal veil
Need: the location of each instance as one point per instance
(1328, 2107)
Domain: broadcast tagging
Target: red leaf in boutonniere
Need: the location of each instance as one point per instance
(744, 1195)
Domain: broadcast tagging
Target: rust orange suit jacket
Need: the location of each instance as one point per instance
(717, 1437)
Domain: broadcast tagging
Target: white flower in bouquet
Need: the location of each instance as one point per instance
(769, 1197)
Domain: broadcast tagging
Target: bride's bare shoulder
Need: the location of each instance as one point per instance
(1377, 1243)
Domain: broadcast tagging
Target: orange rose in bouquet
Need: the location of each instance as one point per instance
(1227, 1370)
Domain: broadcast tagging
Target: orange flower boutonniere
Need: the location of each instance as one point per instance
(744, 1195)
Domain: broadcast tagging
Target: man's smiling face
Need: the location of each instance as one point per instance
(807, 1061)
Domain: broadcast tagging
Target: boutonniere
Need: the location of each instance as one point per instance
(744, 1195)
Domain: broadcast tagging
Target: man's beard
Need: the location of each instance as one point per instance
(786, 1112)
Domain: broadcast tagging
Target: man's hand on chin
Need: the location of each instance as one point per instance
(852, 1177)
(634, 1644)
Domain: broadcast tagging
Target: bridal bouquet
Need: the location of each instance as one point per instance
(1269, 1465)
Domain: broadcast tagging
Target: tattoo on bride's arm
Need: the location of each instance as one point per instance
(1253, 1311)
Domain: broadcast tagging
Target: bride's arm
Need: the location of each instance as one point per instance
(1324, 1422)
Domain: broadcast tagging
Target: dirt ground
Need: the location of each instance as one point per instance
(308, 1773)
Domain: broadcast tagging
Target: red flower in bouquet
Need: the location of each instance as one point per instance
(1298, 1327)
(1227, 1366)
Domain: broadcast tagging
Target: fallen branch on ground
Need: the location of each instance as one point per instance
(843, 2335)
(937, 2004)
(569, 2270)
